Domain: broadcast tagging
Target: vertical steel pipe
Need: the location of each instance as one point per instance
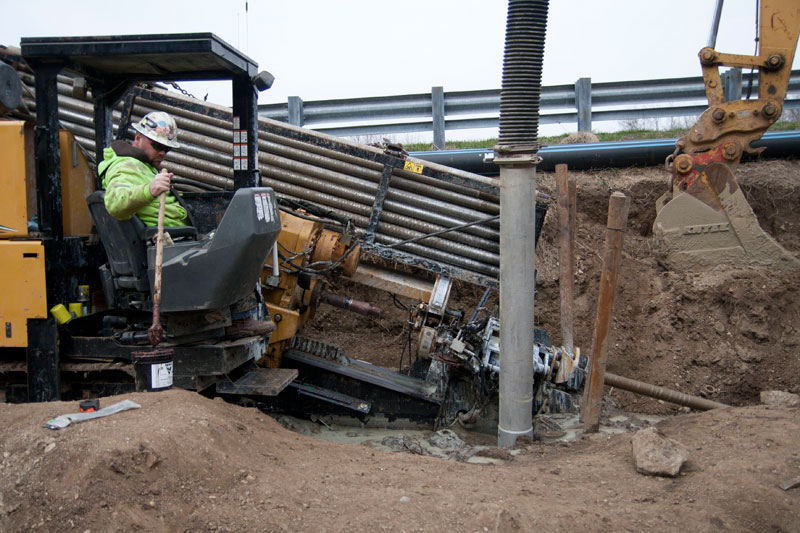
(516, 155)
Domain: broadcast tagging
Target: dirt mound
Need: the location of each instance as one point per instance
(580, 137)
(725, 333)
(186, 463)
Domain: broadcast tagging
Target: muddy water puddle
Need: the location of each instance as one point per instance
(457, 443)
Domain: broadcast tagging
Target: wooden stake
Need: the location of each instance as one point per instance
(593, 392)
(566, 259)
(156, 333)
(573, 218)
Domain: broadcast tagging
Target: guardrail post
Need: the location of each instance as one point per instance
(296, 116)
(437, 112)
(583, 103)
(732, 84)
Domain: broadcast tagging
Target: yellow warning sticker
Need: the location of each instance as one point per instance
(416, 168)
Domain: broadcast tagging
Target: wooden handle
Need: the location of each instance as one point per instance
(162, 203)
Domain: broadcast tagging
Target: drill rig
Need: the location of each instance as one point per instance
(423, 226)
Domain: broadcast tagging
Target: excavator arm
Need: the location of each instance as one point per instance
(705, 219)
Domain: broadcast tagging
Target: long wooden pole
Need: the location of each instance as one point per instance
(566, 259)
(155, 333)
(593, 392)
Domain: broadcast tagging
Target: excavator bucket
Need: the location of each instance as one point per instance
(711, 223)
(706, 220)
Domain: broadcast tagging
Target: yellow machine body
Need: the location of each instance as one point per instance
(77, 182)
(22, 255)
(292, 302)
(23, 288)
(287, 303)
(18, 201)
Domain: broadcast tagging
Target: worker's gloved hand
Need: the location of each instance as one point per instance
(167, 239)
(160, 183)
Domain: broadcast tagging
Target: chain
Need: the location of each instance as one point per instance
(182, 90)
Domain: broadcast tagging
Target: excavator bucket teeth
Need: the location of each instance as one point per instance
(711, 223)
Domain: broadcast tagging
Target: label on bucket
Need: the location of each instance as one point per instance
(161, 375)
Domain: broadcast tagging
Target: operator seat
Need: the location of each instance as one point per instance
(210, 273)
(125, 243)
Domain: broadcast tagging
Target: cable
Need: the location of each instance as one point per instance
(755, 53)
(309, 269)
(461, 226)
(306, 217)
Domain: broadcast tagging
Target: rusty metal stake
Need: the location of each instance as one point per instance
(155, 333)
(661, 393)
(593, 392)
(566, 259)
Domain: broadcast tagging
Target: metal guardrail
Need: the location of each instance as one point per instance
(580, 104)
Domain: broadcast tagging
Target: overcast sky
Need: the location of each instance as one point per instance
(323, 49)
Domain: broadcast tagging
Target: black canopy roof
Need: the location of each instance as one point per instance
(185, 56)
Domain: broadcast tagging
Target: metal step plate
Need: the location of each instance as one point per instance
(259, 382)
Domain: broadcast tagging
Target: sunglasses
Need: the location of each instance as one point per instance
(158, 147)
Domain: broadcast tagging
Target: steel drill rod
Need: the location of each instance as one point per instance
(331, 158)
(212, 143)
(385, 231)
(209, 132)
(329, 194)
(566, 262)
(447, 230)
(593, 392)
(398, 183)
(345, 302)
(661, 393)
(368, 190)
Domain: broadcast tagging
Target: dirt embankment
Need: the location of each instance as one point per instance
(725, 333)
(186, 463)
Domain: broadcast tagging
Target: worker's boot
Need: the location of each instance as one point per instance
(249, 327)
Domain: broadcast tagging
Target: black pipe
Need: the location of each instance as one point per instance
(620, 154)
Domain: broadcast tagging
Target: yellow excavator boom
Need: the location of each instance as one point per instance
(705, 219)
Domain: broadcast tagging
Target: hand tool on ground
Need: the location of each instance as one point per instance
(89, 406)
(62, 421)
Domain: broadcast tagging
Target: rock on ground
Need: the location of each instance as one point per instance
(656, 455)
(779, 397)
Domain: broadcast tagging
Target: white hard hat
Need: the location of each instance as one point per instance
(159, 127)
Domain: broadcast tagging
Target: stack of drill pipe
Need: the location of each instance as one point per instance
(337, 180)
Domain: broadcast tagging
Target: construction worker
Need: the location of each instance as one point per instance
(130, 176)
(133, 185)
